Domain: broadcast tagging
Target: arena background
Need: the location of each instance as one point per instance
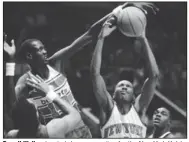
(58, 24)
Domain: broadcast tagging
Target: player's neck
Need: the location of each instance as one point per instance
(159, 132)
(43, 72)
(124, 108)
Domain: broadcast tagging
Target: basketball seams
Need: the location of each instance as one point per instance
(131, 24)
(143, 24)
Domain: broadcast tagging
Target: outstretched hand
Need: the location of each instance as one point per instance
(145, 6)
(108, 27)
(38, 83)
(10, 49)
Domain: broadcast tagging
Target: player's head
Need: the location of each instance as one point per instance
(25, 116)
(124, 91)
(162, 118)
(33, 52)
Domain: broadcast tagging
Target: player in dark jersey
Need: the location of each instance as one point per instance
(162, 123)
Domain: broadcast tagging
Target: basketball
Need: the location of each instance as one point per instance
(131, 21)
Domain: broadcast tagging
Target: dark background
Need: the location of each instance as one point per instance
(58, 24)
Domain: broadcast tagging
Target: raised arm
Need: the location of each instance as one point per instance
(84, 39)
(10, 69)
(103, 97)
(149, 86)
(9, 96)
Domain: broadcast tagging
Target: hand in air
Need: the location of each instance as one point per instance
(108, 27)
(145, 6)
(9, 49)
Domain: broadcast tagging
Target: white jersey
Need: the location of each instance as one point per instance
(124, 126)
(48, 110)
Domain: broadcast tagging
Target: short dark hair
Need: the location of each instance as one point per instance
(25, 116)
(170, 116)
(25, 47)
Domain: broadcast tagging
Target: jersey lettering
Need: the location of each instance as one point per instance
(123, 128)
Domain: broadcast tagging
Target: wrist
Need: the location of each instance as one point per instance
(142, 37)
(10, 69)
(51, 95)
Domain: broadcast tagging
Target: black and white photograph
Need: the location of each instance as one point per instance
(94, 70)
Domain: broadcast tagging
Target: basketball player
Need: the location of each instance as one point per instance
(24, 113)
(121, 115)
(161, 123)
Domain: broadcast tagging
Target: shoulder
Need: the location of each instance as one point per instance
(56, 64)
(12, 134)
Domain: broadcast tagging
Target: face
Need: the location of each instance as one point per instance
(161, 117)
(39, 55)
(124, 91)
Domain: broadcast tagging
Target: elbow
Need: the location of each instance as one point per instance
(155, 75)
(94, 73)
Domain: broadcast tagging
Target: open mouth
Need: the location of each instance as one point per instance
(157, 120)
(123, 92)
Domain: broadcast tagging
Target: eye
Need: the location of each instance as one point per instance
(128, 85)
(164, 113)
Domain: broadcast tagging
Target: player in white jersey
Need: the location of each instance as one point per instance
(122, 116)
(162, 123)
(26, 117)
(35, 55)
(24, 113)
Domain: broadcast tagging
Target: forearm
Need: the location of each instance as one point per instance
(68, 51)
(11, 91)
(150, 59)
(83, 40)
(11, 97)
(95, 28)
(97, 57)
